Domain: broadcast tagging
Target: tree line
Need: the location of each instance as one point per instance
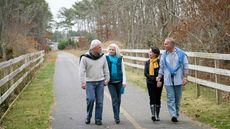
(197, 25)
(23, 26)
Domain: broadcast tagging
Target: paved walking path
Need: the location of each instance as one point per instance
(70, 104)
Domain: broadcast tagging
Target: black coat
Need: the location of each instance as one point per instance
(149, 78)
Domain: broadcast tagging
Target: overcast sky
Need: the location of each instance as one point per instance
(56, 5)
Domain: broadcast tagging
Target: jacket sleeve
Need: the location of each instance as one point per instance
(106, 69)
(146, 70)
(82, 70)
(161, 70)
(185, 66)
(123, 72)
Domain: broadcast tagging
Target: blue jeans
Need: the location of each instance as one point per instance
(174, 94)
(95, 92)
(115, 92)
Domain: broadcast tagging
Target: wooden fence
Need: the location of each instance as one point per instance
(17, 71)
(136, 58)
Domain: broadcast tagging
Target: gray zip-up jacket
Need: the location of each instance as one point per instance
(93, 69)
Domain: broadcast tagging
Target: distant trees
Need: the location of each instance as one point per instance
(200, 25)
(23, 26)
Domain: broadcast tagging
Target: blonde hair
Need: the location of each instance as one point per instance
(118, 53)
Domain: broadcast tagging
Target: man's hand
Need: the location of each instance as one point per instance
(185, 81)
(83, 85)
(106, 82)
(158, 79)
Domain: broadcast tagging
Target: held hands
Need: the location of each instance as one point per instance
(159, 83)
(158, 79)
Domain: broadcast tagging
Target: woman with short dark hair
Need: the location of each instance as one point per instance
(151, 72)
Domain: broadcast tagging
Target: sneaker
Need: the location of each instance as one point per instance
(174, 119)
(98, 123)
(117, 121)
(87, 121)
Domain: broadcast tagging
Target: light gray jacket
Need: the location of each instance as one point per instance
(93, 70)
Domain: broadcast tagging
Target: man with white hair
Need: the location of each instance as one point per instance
(174, 69)
(94, 75)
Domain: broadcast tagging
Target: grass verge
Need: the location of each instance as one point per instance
(203, 109)
(32, 109)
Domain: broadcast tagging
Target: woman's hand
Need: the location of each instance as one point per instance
(124, 84)
(159, 84)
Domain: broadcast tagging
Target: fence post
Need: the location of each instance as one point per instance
(218, 93)
(11, 70)
(196, 76)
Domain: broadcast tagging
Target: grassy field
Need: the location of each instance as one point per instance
(203, 109)
(33, 107)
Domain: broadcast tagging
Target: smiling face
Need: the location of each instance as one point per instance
(168, 45)
(151, 54)
(97, 49)
(112, 50)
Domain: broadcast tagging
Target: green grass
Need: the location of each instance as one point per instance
(203, 109)
(33, 107)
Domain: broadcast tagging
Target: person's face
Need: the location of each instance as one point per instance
(97, 49)
(151, 54)
(112, 50)
(168, 45)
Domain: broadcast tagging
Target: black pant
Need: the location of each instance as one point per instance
(154, 93)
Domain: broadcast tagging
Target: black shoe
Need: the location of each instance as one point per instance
(87, 121)
(174, 119)
(153, 118)
(157, 119)
(117, 121)
(98, 123)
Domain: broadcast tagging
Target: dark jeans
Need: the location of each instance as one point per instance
(95, 92)
(154, 93)
(115, 92)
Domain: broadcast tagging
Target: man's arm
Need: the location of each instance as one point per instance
(82, 72)
(161, 70)
(185, 70)
(106, 71)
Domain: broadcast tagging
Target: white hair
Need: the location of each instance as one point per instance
(94, 43)
(171, 40)
(118, 54)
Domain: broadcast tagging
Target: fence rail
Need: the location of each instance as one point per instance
(136, 55)
(12, 68)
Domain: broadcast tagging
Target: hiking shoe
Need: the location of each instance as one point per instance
(87, 121)
(174, 119)
(117, 121)
(98, 123)
(153, 118)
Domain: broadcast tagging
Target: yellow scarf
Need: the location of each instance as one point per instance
(153, 64)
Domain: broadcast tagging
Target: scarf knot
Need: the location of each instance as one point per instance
(153, 64)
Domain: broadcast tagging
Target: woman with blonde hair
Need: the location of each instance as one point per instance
(117, 78)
